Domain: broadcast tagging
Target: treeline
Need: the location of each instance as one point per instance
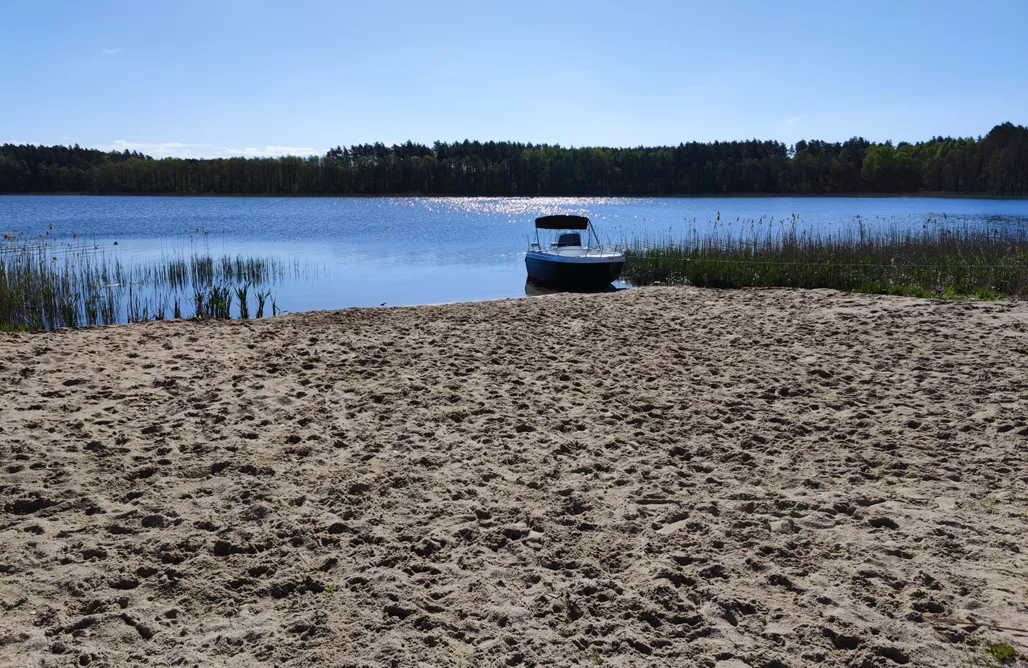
(996, 164)
(54, 169)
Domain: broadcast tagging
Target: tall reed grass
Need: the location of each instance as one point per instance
(980, 259)
(47, 283)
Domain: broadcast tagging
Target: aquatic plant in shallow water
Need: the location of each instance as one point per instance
(48, 282)
(244, 307)
(261, 298)
(941, 260)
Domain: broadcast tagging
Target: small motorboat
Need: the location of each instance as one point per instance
(568, 263)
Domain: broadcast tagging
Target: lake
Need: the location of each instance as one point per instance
(422, 250)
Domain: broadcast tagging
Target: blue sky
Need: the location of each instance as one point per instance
(220, 77)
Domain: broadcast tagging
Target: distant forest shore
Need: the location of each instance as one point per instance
(995, 165)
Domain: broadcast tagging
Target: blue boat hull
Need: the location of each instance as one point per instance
(573, 275)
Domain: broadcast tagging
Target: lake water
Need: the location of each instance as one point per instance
(401, 251)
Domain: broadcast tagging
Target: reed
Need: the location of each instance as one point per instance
(219, 302)
(951, 259)
(200, 304)
(261, 297)
(244, 306)
(48, 282)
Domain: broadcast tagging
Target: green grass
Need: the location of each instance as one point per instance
(991, 654)
(1001, 652)
(48, 282)
(962, 260)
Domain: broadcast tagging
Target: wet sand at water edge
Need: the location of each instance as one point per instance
(655, 477)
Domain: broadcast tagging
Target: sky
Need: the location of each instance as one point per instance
(247, 77)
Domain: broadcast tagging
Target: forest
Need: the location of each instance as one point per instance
(996, 164)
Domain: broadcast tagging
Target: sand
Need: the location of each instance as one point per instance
(657, 477)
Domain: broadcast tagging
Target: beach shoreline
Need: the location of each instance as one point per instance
(656, 476)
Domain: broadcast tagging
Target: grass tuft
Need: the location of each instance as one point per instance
(1001, 652)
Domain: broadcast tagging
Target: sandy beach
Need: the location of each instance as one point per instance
(655, 477)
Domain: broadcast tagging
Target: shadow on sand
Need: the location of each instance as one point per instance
(535, 289)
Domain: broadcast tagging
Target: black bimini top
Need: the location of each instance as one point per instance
(562, 223)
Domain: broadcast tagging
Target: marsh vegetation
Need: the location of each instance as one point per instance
(48, 282)
(983, 259)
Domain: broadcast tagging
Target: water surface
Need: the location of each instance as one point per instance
(402, 251)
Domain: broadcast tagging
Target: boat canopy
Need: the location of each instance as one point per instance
(562, 223)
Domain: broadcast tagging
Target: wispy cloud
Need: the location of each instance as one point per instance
(160, 150)
(184, 150)
(273, 150)
(111, 52)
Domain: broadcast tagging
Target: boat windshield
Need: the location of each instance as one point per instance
(569, 239)
(572, 235)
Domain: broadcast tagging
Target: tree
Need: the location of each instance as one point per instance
(996, 163)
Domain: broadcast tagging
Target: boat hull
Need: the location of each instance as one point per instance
(569, 274)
